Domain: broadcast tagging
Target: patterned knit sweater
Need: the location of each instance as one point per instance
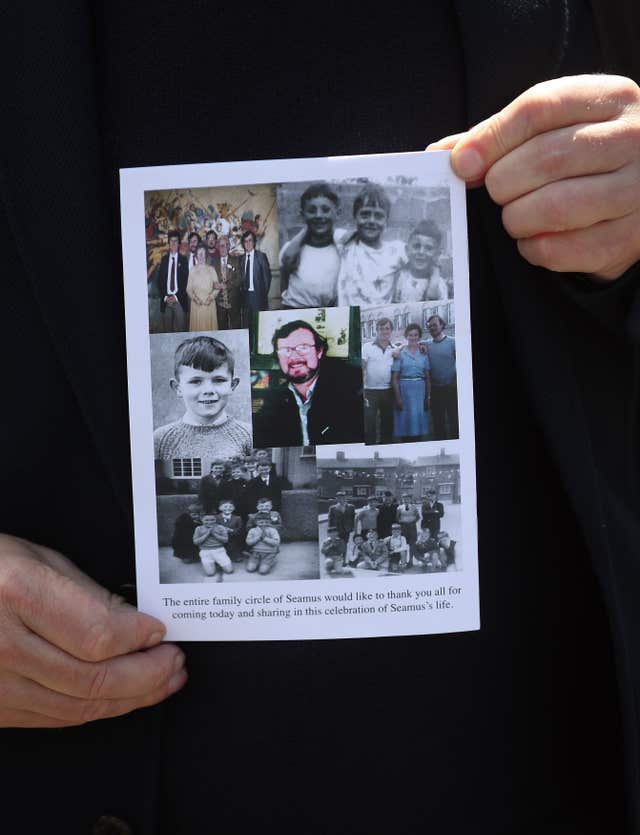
(183, 440)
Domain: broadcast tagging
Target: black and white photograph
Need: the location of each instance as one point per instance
(392, 510)
(201, 398)
(306, 377)
(364, 242)
(249, 519)
(409, 372)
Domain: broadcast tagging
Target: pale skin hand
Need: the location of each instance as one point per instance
(70, 651)
(563, 160)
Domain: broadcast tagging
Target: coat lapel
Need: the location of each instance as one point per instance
(56, 193)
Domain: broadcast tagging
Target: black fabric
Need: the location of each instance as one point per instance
(513, 729)
(277, 424)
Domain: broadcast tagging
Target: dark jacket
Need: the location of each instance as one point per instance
(258, 299)
(532, 702)
(335, 415)
(431, 516)
(257, 489)
(342, 518)
(183, 277)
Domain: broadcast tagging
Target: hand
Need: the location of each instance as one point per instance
(70, 651)
(563, 160)
(170, 299)
(399, 404)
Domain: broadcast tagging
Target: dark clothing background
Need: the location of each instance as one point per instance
(530, 740)
(335, 415)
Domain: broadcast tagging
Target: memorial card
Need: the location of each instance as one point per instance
(301, 397)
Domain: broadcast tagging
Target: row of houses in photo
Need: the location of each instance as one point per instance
(361, 478)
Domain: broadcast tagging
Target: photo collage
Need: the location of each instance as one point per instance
(304, 383)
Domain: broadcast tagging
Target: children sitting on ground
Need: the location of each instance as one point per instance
(427, 552)
(447, 551)
(398, 549)
(204, 379)
(357, 553)
(228, 519)
(333, 550)
(211, 539)
(263, 541)
(182, 540)
(374, 552)
(421, 280)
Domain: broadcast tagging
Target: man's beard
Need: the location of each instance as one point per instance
(304, 379)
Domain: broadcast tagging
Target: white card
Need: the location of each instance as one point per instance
(301, 399)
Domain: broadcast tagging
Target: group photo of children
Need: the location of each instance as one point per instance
(363, 243)
(389, 510)
(245, 519)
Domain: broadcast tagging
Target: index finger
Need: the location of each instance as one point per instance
(547, 106)
(90, 625)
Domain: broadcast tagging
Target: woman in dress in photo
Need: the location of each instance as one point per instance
(411, 384)
(202, 289)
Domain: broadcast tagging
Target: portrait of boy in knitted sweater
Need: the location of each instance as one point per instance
(203, 378)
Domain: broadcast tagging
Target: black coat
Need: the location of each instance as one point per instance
(335, 415)
(531, 738)
(182, 279)
(257, 489)
(261, 281)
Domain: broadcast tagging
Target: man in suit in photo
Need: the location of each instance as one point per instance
(228, 302)
(256, 277)
(172, 277)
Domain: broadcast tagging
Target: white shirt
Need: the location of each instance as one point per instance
(377, 366)
(192, 260)
(249, 267)
(303, 409)
(315, 282)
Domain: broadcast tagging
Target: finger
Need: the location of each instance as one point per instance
(72, 618)
(125, 676)
(446, 143)
(604, 250)
(28, 719)
(550, 105)
(575, 151)
(21, 692)
(40, 553)
(576, 203)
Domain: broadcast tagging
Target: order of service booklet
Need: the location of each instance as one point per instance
(301, 400)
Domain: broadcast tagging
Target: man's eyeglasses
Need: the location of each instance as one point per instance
(302, 350)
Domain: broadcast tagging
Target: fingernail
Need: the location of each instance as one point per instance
(154, 639)
(468, 164)
(177, 680)
(178, 663)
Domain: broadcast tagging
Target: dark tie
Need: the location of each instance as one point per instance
(172, 281)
